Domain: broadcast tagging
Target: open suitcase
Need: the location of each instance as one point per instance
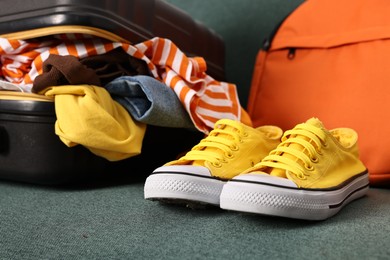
(29, 149)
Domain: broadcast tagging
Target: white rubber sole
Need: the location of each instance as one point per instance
(246, 195)
(182, 188)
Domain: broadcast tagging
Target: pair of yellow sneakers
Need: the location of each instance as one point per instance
(307, 172)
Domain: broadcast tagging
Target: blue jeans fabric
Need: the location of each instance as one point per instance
(149, 101)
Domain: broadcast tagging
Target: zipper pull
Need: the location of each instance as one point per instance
(291, 53)
(266, 44)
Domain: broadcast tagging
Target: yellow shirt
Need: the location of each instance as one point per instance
(87, 115)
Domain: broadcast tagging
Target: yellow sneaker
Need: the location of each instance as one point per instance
(311, 175)
(198, 176)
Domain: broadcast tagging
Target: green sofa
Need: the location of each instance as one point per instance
(108, 218)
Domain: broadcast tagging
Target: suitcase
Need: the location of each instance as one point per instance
(30, 151)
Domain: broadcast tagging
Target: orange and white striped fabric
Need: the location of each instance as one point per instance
(205, 99)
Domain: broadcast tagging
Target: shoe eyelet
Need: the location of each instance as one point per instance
(301, 177)
(229, 155)
(309, 167)
(234, 147)
(245, 134)
(314, 159)
(216, 164)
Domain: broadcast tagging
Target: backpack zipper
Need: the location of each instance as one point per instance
(291, 53)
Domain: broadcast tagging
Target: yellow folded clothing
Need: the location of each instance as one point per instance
(87, 115)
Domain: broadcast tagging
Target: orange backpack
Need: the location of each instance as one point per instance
(330, 59)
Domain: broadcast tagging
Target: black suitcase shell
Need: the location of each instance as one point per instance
(29, 149)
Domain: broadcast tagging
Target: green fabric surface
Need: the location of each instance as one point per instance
(114, 221)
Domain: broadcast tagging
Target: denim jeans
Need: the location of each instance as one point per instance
(149, 101)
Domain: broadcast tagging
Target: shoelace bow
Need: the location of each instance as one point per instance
(310, 140)
(224, 139)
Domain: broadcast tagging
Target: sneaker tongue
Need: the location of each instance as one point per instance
(315, 122)
(282, 173)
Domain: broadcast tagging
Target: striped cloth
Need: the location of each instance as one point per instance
(205, 99)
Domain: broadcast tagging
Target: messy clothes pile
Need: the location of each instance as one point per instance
(106, 92)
